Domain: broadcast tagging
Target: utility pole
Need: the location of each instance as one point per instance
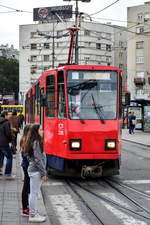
(53, 49)
(76, 23)
(77, 35)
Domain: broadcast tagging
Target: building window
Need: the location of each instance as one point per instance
(98, 46)
(59, 33)
(146, 17)
(120, 54)
(33, 69)
(139, 30)
(46, 45)
(32, 34)
(86, 32)
(33, 46)
(87, 44)
(139, 44)
(33, 58)
(121, 66)
(140, 17)
(46, 58)
(140, 59)
(121, 44)
(140, 74)
(108, 48)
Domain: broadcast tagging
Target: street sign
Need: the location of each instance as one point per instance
(49, 13)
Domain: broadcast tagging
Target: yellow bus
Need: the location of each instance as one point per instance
(10, 108)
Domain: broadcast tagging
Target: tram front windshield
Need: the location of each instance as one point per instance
(92, 94)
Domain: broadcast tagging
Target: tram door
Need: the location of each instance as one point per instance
(42, 110)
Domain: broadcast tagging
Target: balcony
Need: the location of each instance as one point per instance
(139, 81)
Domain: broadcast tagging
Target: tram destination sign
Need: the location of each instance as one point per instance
(50, 13)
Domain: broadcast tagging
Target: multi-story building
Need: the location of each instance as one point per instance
(45, 45)
(138, 62)
(138, 53)
(9, 52)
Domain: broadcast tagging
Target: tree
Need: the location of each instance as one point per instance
(9, 76)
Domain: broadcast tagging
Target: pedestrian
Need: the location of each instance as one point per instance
(36, 170)
(132, 122)
(5, 139)
(25, 164)
(15, 125)
(21, 117)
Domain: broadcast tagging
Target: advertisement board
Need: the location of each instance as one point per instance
(50, 13)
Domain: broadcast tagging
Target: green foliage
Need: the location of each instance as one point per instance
(9, 76)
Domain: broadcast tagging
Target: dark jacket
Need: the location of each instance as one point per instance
(15, 122)
(25, 162)
(5, 132)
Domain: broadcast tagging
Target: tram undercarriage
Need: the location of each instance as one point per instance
(87, 168)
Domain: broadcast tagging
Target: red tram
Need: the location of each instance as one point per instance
(79, 107)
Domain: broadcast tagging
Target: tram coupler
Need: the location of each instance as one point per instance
(91, 171)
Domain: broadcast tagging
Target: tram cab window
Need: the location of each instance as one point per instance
(50, 96)
(61, 104)
(92, 94)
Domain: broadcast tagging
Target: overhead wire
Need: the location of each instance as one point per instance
(105, 8)
(15, 10)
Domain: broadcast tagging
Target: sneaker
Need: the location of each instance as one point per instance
(37, 219)
(25, 212)
(9, 177)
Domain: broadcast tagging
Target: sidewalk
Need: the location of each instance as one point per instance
(139, 137)
(10, 198)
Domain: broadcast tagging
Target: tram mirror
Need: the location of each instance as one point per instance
(43, 99)
(127, 98)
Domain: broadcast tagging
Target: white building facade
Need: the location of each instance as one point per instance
(45, 45)
(138, 53)
(9, 52)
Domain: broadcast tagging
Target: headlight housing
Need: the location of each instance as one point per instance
(75, 144)
(110, 144)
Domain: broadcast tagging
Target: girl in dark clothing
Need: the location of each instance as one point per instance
(25, 164)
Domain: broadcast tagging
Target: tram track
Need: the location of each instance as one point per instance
(121, 184)
(129, 211)
(70, 184)
(127, 196)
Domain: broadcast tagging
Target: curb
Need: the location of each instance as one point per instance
(138, 143)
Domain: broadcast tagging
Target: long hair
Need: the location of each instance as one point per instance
(24, 136)
(32, 136)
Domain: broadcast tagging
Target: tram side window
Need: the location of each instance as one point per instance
(61, 104)
(120, 96)
(50, 96)
(38, 98)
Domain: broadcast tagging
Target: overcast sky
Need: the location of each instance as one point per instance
(10, 20)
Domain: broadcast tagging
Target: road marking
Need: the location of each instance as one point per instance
(53, 183)
(147, 191)
(136, 181)
(126, 220)
(67, 211)
(113, 197)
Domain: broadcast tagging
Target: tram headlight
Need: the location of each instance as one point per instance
(75, 144)
(110, 144)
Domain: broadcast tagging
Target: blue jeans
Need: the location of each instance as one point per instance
(35, 184)
(1, 159)
(6, 151)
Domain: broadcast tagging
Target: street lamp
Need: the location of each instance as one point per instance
(76, 13)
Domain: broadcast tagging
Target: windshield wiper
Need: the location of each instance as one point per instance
(98, 110)
(86, 85)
